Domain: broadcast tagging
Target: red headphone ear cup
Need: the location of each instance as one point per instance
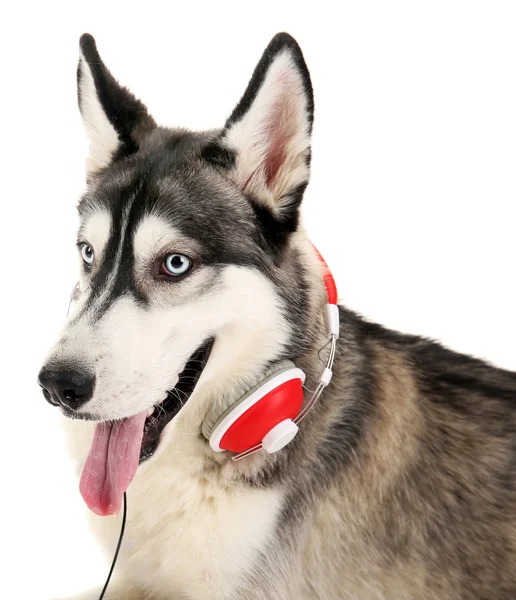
(279, 398)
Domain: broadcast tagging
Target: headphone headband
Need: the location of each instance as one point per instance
(329, 281)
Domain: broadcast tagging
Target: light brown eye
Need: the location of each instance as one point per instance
(87, 254)
(175, 265)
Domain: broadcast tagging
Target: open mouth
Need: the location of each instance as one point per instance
(161, 414)
(118, 447)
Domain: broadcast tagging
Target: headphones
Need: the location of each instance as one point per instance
(267, 415)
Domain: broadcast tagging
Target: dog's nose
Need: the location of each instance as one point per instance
(67, 386)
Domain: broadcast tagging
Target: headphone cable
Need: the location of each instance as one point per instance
(117, 549)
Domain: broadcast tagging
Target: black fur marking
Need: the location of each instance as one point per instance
(124, 283)
(273, 232)
(290, 204)
(280, 42)
(100, 279)
(277, 227)
(218, 155)
(129, 206)
(125, 112)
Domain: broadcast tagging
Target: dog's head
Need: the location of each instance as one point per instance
(192, 257)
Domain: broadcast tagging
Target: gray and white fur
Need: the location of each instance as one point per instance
(401, 484)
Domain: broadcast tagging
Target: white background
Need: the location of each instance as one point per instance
(412, 196)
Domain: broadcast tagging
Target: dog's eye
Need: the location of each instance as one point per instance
(175, 264)
(87, 254)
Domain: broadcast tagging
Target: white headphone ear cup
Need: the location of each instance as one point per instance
(220, 412)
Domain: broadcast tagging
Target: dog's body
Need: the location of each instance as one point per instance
(401, 483)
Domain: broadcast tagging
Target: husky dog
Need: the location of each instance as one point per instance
(197, 277)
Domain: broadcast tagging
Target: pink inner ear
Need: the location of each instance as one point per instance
(278, 131)
(276, 155)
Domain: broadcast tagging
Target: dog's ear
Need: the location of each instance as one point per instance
(114, 119)
(265, 144)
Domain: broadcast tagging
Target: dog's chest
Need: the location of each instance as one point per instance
(188, 535)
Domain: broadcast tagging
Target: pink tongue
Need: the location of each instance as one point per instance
(112, 463)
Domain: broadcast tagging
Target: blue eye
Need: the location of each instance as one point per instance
(175, 264)
(87, 254)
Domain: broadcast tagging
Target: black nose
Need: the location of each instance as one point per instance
(66, 385)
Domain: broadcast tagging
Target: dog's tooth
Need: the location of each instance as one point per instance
(150, 411)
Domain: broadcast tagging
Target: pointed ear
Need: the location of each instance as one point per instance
(269, 133)
(114, 119)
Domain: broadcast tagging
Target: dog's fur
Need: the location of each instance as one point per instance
(401, 482)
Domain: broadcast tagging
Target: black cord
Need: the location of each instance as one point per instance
(117, 549)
